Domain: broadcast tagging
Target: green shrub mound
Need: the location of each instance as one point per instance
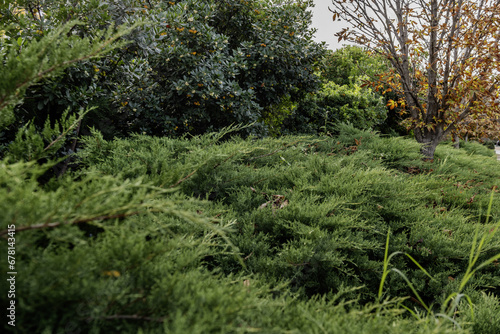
(284, 235)
(334, 104)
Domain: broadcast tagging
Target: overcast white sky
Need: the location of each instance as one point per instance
(322, 20)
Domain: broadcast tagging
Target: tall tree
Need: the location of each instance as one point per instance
(444, 54)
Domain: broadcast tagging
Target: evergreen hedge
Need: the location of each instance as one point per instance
(205, 235)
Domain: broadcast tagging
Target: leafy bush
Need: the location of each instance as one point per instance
(223, 62)
(343, 97)
(194, 66)
(354, 66)
(335, 104)
(351, 65)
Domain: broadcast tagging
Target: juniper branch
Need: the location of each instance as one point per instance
(79, 221)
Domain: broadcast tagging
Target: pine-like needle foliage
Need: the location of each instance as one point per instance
(46, 57)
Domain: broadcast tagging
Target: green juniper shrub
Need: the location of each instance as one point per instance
(148, 271)
(473, 147)
(486, 308)
(291, 238)
(315, 211)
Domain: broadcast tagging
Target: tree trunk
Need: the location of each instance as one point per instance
(429, 140)
(456, 138)
(428, 149)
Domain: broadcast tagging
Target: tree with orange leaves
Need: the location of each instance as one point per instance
(445, 59)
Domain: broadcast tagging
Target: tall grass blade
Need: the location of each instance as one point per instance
(386, 264)
(410, 285)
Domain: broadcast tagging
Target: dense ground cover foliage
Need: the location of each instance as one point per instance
(259, 235)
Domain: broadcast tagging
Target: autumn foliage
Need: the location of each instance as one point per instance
(445, 61)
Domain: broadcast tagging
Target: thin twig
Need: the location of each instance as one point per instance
(126, 316)
(225, 160)
(248, 256)
(273, 152)
(56, 224)
(184, 178)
